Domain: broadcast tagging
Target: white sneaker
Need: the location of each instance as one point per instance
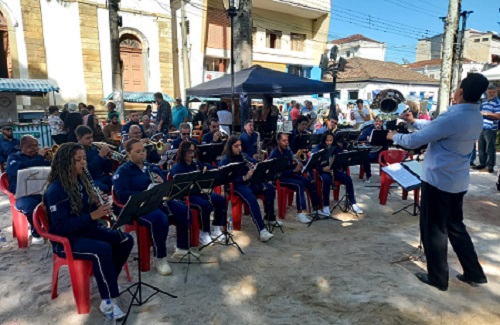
(37, 241)
(356, 209)
(162, 266)
(217, 233)
(302, 218)
(326, 211)
(276, 223)
(321, 213)
(368, 180)
(265, 235)
(205, 238)
(179, 253)
(117, 312)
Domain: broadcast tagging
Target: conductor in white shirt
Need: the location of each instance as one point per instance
(445, 181)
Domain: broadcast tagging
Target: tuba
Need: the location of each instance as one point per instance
(387, 101)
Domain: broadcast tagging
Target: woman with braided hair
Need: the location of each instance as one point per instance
(74, 210)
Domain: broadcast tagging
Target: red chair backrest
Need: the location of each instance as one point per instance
(115, 198)
(391, 157)
(41, 220)
(4, 184)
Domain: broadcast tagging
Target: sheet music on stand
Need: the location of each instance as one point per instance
(32, 181)
(403, 175)
(414, 166)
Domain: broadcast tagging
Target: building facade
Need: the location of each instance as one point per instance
(359, 46)
(481, 47)
(432, 68)
(68, 42)
(287, 36)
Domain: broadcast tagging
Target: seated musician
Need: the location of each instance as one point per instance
(183, 136)
(339, 175)
(293, 179)
(133, 117)
(249, 140)
(99, 164)
(215, 134)
(135, 176)
(73, 211)
(112, 131)
(148, 127)
(330, 125)
(378, 124)
(153, 156)
(246, 191)
(185, 163)
(302, 123)
(8, 145)
(29, 156)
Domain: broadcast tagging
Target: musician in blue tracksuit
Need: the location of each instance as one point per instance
(365, 135)
(247, 191)
(185, 130)
(293, 179)
(29, 156)
(301, 130)
(134, 177)
(249, 140)
(185, 163)
(152, 154)
(339, 175)
(73, 213)
(98, 163)
(214, 135)
(8, 144)
(133, 120)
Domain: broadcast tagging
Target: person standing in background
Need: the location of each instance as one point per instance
(59, 135)
(72, 121)
(163, 114)
(179, 113)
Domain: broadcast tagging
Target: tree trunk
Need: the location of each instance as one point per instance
(116, 66)
(243, 26)
(450, 35)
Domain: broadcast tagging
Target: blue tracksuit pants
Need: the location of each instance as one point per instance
(27, 205)
(299, 184)
(217, 203)
(341, 177)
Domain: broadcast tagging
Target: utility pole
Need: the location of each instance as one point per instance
(243, 29)
(464, 15)
(447, 57)
(116, 66)
(185, 55)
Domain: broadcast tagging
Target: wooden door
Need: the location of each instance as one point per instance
(133, 67)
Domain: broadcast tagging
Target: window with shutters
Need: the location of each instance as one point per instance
(273, 39)
(297, 42)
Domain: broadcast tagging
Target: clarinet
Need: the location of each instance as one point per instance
(97, 191)
(150, 174)
(247, 162)
(295, 158)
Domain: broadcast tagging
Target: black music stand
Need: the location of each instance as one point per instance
(315, 139)
(208, 153)
(221, 177)
(342, 160)
(302, 141)
(379, 138)
(265, 172)
(138, 205)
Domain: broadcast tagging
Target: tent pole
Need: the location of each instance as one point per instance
(232, 72)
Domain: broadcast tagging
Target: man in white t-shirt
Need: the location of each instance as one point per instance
(225, 119)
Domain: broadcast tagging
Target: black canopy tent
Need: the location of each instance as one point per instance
(260, 82)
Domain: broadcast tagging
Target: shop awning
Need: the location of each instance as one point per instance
(140, 97)
(203, 99)
(27, 86)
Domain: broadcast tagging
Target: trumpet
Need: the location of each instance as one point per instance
(156, 145)
(222, 136)
(49, 155)
(114, 155)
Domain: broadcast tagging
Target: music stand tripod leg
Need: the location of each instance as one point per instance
(270, 227)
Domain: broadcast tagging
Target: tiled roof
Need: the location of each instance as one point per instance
(359, 69)
(353, 38)
(429, 63)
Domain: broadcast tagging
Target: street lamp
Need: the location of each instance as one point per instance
(232, 7)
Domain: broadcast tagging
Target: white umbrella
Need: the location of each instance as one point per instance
(492, 74)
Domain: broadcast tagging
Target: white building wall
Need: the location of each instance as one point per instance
(105, 50)
(61, 31)
(435, 71)
(360, 49)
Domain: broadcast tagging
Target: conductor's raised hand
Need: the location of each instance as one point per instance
(407, 117)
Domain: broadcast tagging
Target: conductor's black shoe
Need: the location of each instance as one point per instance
(472, 283)
(473, 165)
(424, 277)
(479, 167)
(490, 170)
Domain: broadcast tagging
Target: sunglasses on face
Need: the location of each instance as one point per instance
(185, 133)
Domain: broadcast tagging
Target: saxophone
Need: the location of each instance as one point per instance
(260, 152)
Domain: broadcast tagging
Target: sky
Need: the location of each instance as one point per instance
(400, 23)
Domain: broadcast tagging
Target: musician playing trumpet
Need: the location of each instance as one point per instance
(29, 156)
(99, 163)
(73, 211)
(215, 135)
(246, 191)
(153, 156)
(293, 179)
(205, 203)
(185, 135)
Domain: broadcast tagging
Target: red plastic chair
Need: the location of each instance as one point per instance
(385, 158)
(285, 195)
(19, 220)
(237, 206)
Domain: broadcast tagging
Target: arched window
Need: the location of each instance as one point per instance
(133, 67)
(5, 56)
